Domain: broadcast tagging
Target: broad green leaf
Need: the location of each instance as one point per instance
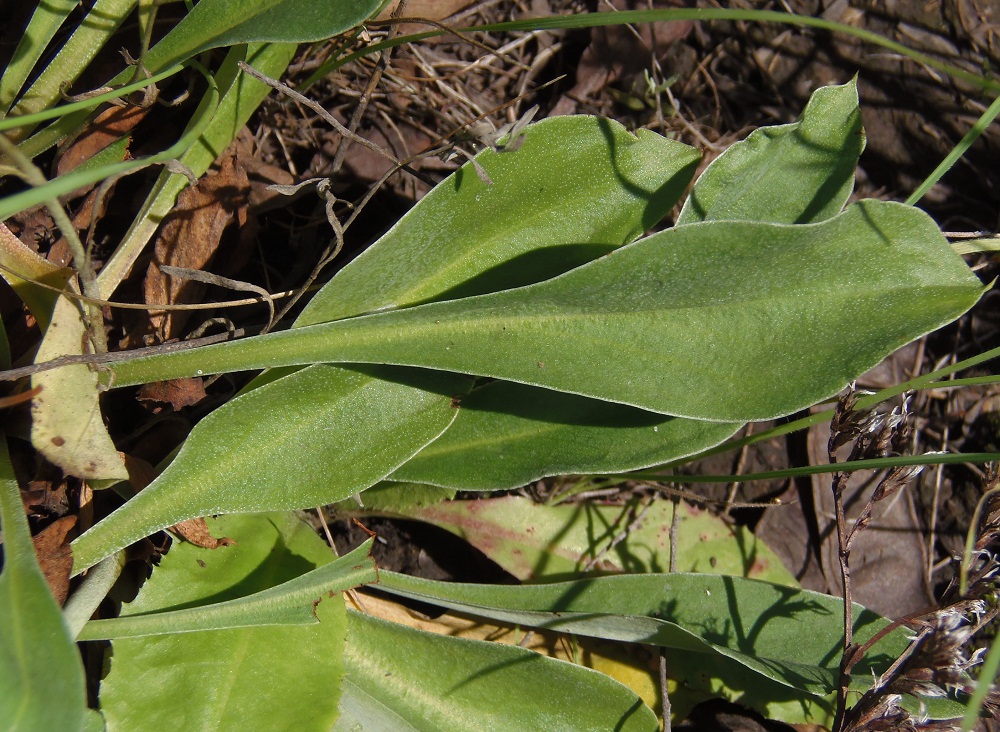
(702, 676)
(577, 188)
(506, 435)
(532, 540)
(217, 23)
(41, 676)
(608, 185)
(722, 320)
(409, 680)
(788, 635)
(324, 436)
(789, 174)
(288, 603)
(390, 497)
(94, 722)
(241, 678)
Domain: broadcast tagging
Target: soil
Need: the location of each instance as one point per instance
(706, 84)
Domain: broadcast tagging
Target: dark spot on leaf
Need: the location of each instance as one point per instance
(58, 441)
(456, 402)
(202, 564)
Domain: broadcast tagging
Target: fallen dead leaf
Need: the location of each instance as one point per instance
(109, 126)
(430, 9)
(619, 52)
(190, 237)
(195, 531)
(55, 556)
(178, 393)
(140, 473)
(45, 498)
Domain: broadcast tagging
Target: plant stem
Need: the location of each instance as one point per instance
(846, 662)
(664, 696)
(95, 588)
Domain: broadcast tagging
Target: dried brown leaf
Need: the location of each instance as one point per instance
(109, 126)
(618, 52)
(45, 498)
(190, 237)
(55, 556)
(430, 9)
(178, 393)
(195, 531)
(140, 472)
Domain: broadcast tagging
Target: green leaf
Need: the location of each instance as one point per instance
(75, 55)
(703, 676)
(577, 188)
(217, 23)
(532, 540)
(722, 320)
(389, 497)
(790, 636)
(94, 721)
(633, 180)
(324, 436)
(506, 435)
(44, 24)
(403, 679)
(241, 678)
(289, 603)
(41, 676)
(789, 174)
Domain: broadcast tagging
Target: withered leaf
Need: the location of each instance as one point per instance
(109, 126)
(190, 237)
(55, 556)
(178, 393)
(195, 531)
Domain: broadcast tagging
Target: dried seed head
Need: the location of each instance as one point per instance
(847, 423)
(885, 715)
(941, 662)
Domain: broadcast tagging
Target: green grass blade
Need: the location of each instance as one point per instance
(44, 24)
(73, 58)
